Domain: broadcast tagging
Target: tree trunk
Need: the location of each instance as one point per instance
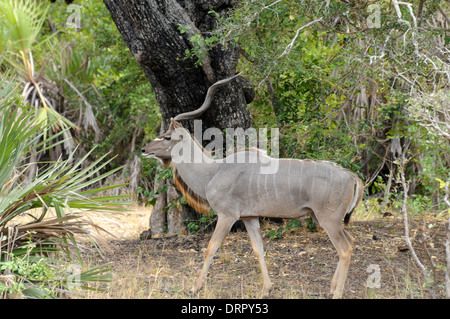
(174, 214)
(151, 30)
(158, 216)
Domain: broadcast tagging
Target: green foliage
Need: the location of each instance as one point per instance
(150, 196)
(298, 89)
(65, 189)
(430, 114)
(337, 89)
(275, 233)
(378, 185)
(125, 113)
(61, 185)
(290, 224)
(28, 272)
(34, 276)
(21, 23)
(201, 224)
(311, 225)
(76, 82)
(199, 45)
(342, 90)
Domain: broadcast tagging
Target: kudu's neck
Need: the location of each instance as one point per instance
(193, 168)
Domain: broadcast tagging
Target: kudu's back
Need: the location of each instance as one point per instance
(290, 189)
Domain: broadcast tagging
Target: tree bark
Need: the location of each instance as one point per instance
(174, 214)
(158, 216)
(151, 30)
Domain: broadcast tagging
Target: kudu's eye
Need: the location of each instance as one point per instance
(167, 138)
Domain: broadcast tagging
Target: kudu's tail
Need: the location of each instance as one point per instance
(357, 196)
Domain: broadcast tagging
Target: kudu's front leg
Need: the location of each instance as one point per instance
(223, 227)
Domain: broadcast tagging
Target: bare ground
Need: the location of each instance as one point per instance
(300, 264)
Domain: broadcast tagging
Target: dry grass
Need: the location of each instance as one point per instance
(123, 225)
(144, 269)
(300, 264)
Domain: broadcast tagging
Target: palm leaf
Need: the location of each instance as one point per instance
(20, 28)
(59, 186)
(98, 274)
(23, 19)
(7, 88)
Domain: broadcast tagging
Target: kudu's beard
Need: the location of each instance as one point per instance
(165, 161)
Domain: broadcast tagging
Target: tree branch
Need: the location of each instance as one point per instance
(447, 243)
(287, 50)
(405, 185)
(177, 15)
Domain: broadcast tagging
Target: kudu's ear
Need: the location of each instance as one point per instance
(172, 124)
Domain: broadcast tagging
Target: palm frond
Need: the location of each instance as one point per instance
(20, 29)
(61, 185)
(23, 20)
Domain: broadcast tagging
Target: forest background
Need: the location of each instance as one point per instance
(365, 85)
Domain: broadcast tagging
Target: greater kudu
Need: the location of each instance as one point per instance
(237, 190)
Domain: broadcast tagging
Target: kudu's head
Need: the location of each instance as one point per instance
(161, 147)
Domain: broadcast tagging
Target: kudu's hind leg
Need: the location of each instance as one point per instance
(223, 227)
(351, 240)
(254, 232)
(342, 241)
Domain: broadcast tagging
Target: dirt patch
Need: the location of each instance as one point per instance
(300, 264)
